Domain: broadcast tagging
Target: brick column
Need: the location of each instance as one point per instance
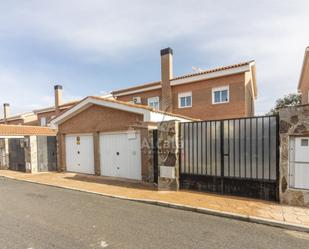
(61, 165)
(96, 150)
(168, 155)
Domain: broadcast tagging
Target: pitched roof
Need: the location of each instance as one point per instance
(305, 68)
(136, 87)
(24, 130)
(18, 116)
(158, 83)
(52, 108)
(118, 105)
(145, 107)
(214, 70)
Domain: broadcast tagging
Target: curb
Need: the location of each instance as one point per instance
(247, 218)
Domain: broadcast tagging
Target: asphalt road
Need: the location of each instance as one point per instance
(38, 217)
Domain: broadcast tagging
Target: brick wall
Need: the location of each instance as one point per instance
(96, 119)
(240, 104)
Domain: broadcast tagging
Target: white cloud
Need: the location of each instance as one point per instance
(274, 33)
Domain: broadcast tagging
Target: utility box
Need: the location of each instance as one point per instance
(299, 162)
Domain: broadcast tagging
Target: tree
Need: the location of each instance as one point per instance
(291, 99)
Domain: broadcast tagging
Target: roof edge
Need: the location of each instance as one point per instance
(57, 120)
(305, 62)
(140, 87)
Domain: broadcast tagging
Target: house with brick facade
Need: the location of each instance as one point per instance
(303, 84)
(28, 118)
(109, 137)
(44, 115)
(113, 135)
(219, 93)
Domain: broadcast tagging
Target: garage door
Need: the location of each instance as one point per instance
(79, 153)
(120, 155)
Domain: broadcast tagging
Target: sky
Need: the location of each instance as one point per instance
(95, 46)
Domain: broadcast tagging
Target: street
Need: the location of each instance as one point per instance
(41, 217)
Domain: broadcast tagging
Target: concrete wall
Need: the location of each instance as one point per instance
(31, 156)
(4, 153)
(294, 121)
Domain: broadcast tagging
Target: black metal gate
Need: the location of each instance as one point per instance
(235, 156)
(17, 154)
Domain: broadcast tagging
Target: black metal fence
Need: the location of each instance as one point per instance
(17, 154)
(235, 156)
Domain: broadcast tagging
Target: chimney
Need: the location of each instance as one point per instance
(166, 76)
(58, 97)
(6, 111)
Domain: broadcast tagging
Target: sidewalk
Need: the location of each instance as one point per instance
(235, 206)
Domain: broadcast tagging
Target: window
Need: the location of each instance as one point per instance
(154, 103)
(220, 95)
(304, 142)
(185, 100)
(43, 121)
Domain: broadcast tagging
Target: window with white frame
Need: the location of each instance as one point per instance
(220, 95)
(185, 100)
(154, 103)
(43, 121)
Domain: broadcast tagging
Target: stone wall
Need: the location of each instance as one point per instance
(168, 155)
(4, 153)
(31, 155)
(147, 155)
(294, 121)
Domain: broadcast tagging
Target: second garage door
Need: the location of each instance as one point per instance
(79, 153)
(120, 155)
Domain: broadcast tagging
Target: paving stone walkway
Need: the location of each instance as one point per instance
(136, 190)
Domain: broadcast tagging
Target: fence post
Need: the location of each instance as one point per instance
(168, 155)
(155, 155)
(222, 154)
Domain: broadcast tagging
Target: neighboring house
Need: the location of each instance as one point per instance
(220, 93)
(28, 148)
(303, 85)
(40, 117)
(108, 137)
(46, 114)
(29, 118)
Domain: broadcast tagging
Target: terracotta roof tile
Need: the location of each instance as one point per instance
(136, 87)
(145, 107)
(53, 108)
(132, 105)
(141, 86)
(24, 130)
(213, 70)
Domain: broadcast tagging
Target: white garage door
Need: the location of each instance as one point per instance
(120, 155)
(79, 153)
